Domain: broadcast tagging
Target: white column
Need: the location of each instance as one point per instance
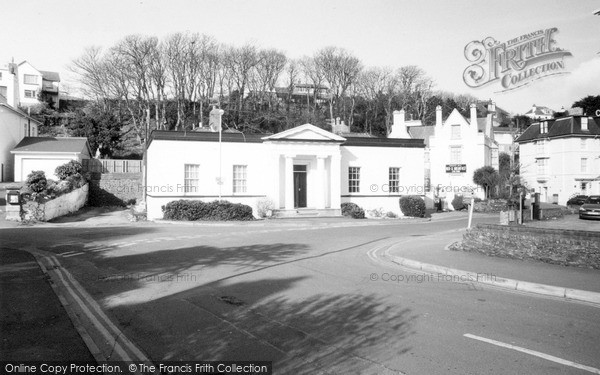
(289, 182)
(320, 183)
(336, 181)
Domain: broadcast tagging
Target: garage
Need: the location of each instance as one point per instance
(47, 153)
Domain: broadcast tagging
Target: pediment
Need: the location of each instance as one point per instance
(306, 132)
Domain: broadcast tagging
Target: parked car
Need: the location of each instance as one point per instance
(590, 209)
(577, 200)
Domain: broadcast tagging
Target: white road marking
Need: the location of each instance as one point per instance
(71, 255)
(548, 357)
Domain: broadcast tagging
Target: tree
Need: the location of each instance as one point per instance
(590, 104)
(101, 128)
(486, 177)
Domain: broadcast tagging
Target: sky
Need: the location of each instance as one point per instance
(431, 34)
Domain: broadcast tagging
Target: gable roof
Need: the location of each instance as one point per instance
(18, 112)
(538, 110)
(306, 132)
(53, 145)
(562, 127)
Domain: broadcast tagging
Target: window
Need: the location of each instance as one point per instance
(30, 79)
(354, 179)
(191, 178)
(3, 91)
(455, 132)
(455, 155)
(30, 93)
(394, 180)
(542, 166)
(239, 178)
(541, 146)
(584, 164)
(584, 123)
(544, 127)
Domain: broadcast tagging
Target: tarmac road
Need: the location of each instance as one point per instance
(310, 296)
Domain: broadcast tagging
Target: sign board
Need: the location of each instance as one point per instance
(456, 168)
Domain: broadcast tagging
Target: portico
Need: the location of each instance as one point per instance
(308, 162)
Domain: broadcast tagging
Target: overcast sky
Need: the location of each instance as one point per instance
(429, 33)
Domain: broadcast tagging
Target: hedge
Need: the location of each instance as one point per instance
(190, 210)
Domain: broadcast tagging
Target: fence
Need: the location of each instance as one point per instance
(112, 166)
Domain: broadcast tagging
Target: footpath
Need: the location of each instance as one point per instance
(431, 254)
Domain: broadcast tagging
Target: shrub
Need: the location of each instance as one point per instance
(412, 205)
(73, 167)
(352, 210)
(391, 215)
(197, 210)
(458, 202)
(263, 206)
(36, 181)
(77, 180)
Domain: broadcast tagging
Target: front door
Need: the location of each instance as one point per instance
(299, 186)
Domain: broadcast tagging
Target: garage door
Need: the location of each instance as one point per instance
(46, 165)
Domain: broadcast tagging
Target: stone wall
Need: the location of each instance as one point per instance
(59, 206)
(116, 189)
(556, 246)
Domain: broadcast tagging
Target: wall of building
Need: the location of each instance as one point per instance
(27, 162)
(165, 181)
(28, 69)
(13, 128)
(374, 163)
(563, 175)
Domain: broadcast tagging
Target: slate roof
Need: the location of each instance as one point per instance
(421, 132)
(563, 127)
(351, 140)
(539, 111)
(53, 145)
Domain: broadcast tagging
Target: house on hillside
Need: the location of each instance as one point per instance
(538, 112)
(14, 126)
(47, 153)
(23, 85)
(305, 170)
(561, 158)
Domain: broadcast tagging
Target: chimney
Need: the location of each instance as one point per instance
(399, 126)
(438, 117)
(473, 119)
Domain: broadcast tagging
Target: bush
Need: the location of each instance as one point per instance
(73, 167)
(458, 202)
(412, 205)
(352, 210)
(197, 210)
(36, 181)
(263, 206)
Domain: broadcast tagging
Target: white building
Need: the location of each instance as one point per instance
(14, 126)
(455, 149)
(47, 153)
(23, 85)
(538, 112)
(303, 170)
(560, 158)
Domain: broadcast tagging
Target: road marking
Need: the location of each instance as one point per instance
(71, 255)
(548, 357)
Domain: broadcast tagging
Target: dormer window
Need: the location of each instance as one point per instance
(544, 127)
(584, 124)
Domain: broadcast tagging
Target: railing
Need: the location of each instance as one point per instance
(112, 165)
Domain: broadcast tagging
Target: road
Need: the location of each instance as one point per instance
(314, 297)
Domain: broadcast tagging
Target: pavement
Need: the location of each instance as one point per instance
(35, 325)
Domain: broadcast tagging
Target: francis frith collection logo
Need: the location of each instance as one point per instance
(516, 62)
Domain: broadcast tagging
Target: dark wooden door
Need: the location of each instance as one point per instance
(299, 186)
